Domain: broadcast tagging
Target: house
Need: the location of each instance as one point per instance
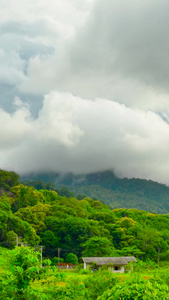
(114, 264)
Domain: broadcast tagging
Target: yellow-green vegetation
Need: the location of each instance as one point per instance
(78, 227)
(21, 277)
(105, 186)
(69, 228)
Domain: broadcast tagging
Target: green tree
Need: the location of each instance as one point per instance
(8, 179)
(98, 246)
(25, 196)
(22, 267)
(72, 258)
(64, 191)
(34, 215)
(49, 196)
(50, 240)
(73, 232)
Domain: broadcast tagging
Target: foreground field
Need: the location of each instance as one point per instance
(22, 278)
(102, 285)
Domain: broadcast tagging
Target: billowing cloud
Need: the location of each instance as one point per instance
(120, 53)
(32, 34)
(12, 68)
(80, 135)
(104, 70)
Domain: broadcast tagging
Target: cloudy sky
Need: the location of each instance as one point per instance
(84, 86)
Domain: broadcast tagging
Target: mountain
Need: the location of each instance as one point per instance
(107, 187)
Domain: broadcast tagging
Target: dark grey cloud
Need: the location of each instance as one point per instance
(113, 56)
(130, 37)
(120, 53)
(124, 41)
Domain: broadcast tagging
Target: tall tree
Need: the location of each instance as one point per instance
(98, 246)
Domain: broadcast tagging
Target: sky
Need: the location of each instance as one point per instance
(84, 87)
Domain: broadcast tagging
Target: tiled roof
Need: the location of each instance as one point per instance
(121, 260)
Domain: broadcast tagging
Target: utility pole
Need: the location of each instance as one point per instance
(41, 249)
(17, 240)
(59, 249)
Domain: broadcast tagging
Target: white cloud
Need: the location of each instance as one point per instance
(80, 135)
(120, 53)
(116, 50)
(14, 127)
(28, 29)
(11, 68)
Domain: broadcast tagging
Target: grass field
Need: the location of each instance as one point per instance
(65, 277)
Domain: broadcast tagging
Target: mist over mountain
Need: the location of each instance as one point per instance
(107, 187)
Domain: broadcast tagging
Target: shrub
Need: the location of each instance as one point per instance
(84, 272)
(55, 260)
(99, 282)
(79, 267)
(137, 288)
(72, 258)
(74, 290)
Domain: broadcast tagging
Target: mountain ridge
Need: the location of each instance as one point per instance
(116, 192)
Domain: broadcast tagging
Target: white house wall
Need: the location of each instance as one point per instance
(121, 269)
(112, 268)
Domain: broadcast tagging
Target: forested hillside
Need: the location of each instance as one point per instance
(83, 227)
(105, 186)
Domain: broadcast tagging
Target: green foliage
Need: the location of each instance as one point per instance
(64, 191)
(98, 282)
(25, 196)
(11, 238)
(13, 225)
(35, 215)
(22, 266)
(84, 272)
(50, 239)
(49, 196)
(72, 258)
(40, 184)
(8, 179)
(137, 288)
(74, 290)
(98, 246)
(116, 192)
(85, 227)
(73, 231)
(55, 260)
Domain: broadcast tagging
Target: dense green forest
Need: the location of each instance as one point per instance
(37, 225)
(105, 186)
(83, 227)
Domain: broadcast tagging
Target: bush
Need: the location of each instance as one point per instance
(80, 267)
(74, 290)
(55, 260)
(72, 258)
(137, 288)
(21, 268)
(99, 282)
(142, 266)
(84, 272)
